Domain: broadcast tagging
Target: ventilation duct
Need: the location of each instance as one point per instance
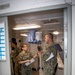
(4, 6)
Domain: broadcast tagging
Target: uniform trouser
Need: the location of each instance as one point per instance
(48, 70)
(26, 71)
(16, 69)
(12, 67)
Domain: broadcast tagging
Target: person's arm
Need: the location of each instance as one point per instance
(36, 55)
(22, 62)
(33, 56)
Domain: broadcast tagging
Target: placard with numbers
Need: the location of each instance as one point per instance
(2, 42)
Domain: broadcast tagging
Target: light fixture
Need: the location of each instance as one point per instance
(23, 34)
(27, 26)
(50, 24)
(55, 32)
(47, 29)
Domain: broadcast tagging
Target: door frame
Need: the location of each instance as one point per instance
(67, 31)
(68, 40)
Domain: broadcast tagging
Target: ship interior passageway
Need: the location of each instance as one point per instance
(48, 21)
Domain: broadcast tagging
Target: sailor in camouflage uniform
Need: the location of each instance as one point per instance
(49, 66)
(24, 57)
(14, 63)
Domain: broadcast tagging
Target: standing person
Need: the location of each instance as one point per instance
(23, 58)
(49, 64)
(14, 54)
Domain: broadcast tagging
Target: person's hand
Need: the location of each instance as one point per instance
(38, 53)
(12, 51)
(28, 61)
(12, 54)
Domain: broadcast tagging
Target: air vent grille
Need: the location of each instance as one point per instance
(50, 21)
(4, 6)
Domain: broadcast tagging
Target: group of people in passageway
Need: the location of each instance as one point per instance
(20, 57)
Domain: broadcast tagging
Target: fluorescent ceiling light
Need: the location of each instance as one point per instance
(23, 34)
(48, 29)
(55, 32)
(27, 26)
(57, 23)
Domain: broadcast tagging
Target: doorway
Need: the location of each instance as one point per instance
(67, 69)
(50, 21)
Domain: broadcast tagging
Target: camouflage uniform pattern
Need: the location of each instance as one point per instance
(25, 70)
(14, 63)
(49, 65)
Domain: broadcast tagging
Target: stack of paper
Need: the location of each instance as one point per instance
(31, 61)
(50, 57)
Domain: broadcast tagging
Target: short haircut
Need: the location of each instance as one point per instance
(24, 44)
(50, 35)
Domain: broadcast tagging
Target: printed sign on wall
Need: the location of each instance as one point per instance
(2, 42)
